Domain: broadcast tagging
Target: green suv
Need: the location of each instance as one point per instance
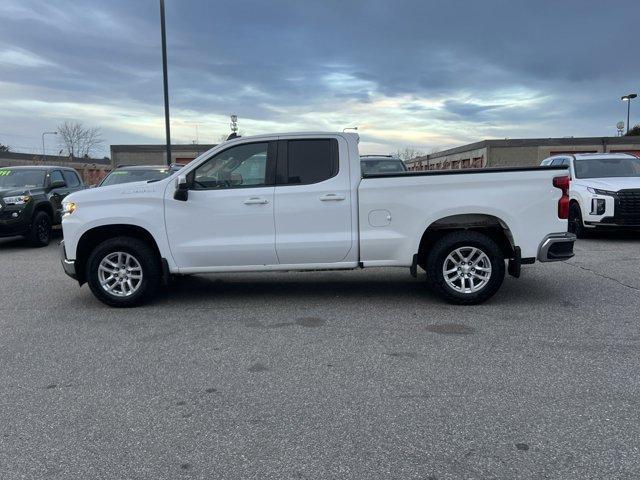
(31, 200)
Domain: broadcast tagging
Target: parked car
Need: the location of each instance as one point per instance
(31, 200)
(138, 173)
(604, 192)
(381, 164)
(301, 202)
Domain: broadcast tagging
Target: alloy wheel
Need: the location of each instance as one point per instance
(120, 274)
(467, 269)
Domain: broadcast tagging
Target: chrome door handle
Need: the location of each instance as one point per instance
(332, 197)
(256, 201)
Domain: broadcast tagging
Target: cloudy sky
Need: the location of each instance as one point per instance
(423, 73)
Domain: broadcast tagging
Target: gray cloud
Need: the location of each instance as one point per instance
(531, 68)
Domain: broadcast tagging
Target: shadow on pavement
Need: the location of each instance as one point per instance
(19, 243)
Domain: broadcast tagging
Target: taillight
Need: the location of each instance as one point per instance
(563, 204)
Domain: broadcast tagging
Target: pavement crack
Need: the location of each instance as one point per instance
(602, 275)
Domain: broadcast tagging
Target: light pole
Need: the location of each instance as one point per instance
(43, 134)
(166, 82)
(628, 98)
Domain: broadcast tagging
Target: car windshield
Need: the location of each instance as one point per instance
(607, 167)
(382, 166)
(21, 178)
(124, 175)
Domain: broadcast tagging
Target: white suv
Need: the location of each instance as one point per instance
(604, 191)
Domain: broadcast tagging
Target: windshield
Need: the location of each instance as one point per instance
(382, 166)
(138, 175)
(607, 167)
(21, 178)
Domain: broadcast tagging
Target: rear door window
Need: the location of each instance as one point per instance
(311, 160)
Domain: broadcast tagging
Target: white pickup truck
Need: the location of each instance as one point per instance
(300, 202)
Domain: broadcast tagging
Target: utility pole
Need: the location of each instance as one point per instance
(628, 98)
(43, 153)
(166, 82)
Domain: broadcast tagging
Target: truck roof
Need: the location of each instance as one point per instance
(596, 156)
(147, 167)
(37, 167)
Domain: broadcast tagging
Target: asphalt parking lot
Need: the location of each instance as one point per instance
(324, 375)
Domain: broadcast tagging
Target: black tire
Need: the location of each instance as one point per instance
(148, 260)
(437, 257)
(40, 232)
(575, 220)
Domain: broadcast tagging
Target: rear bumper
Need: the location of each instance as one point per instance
(69, 266)
(556, 247)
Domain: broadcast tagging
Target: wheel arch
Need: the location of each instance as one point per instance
(44, 207)
(487, 224)
(96, 235)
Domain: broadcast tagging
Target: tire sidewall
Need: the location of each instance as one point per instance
(34, 238)
(453, 241)
(143, 254)
(575, 212)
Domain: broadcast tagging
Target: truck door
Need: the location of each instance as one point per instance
(312, 202)
(227, 219)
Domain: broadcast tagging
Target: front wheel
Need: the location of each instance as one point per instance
(465, 267)
(123, 272)
(40, 233)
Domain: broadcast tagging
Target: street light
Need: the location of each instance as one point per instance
(43, 134)
(165, 82)
(628, 98)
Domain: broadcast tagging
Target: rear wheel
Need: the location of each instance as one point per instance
(575, 220)
(465, 267)
(40, 233)
(123, 272)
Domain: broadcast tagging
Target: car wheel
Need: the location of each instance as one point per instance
(575, 221)
(123, 272)
(465, 267)
(40, 232)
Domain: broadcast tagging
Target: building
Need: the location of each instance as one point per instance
(520, 152)
(92, 170)
(155, 154)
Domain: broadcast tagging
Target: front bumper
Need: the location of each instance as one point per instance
(13, 230)
(14, 220)
(612, 222)
(69, 266)
(556, 247)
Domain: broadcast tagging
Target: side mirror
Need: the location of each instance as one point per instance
(58, 184)
(182, 189)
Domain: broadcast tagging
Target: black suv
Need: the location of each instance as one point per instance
(31, 200)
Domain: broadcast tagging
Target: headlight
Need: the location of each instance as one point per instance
(19, 200)
(69, 207)
(602, 192)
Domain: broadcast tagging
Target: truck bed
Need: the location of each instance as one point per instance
(396, 208)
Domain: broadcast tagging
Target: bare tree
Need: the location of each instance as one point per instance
(79, 141)
(409, 153)
(4, 148)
